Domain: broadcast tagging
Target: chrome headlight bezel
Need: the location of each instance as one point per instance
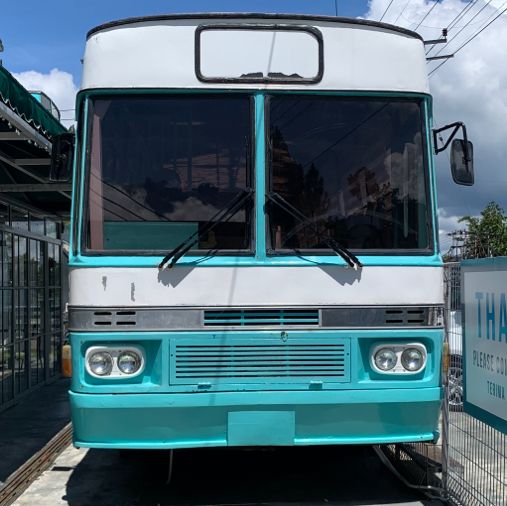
(115, 352)
(398, 349)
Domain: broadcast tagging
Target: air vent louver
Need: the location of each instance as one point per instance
(249, 360)
(261, 317)
(114, 318)
(405, 316)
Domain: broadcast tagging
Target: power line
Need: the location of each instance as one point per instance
(401, 12)
(472, 38)
(453, 23)
(385, 12)
(481, 29)
(463, 11)
(427, 14)
(464, 26)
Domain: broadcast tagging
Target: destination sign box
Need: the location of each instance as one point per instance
(484, 291)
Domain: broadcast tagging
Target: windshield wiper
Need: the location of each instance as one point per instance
(221, 216)
(349, 257)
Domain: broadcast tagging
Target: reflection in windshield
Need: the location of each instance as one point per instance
(354, 166)
(162, 166)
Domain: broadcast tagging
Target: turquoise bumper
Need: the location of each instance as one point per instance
(163, 421)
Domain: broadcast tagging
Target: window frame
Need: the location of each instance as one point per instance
(315, 32)
(430, 250)
(80, 150)
(84, 250)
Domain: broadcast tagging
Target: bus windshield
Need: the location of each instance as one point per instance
(160, 167)
(355, 167)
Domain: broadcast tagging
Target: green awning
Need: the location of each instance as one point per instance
(27, 107)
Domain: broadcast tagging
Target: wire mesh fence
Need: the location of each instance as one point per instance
(468, 464)
(476, 453)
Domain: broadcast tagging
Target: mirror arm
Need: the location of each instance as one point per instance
(468, 157)
(456, 126)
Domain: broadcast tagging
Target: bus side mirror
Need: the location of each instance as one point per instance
(462, 152)
(62, 156)
(462, 162)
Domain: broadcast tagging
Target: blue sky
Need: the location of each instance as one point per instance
(43, 35)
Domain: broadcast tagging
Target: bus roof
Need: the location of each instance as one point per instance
(254, 51)
(252, 15)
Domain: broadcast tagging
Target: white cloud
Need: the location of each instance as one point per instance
(57, 85)
(471, 87)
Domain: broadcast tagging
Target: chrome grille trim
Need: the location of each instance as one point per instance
(383, 316)
(139, 319)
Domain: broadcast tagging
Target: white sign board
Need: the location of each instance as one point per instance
(484, 290)
(259, 54)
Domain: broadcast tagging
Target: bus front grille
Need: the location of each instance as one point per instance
(258, 317)
(270, 361)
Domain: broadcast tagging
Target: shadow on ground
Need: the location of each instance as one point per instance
(29, 425)
(302, 476)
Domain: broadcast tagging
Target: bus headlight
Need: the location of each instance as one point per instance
(385, 359)
(100, 363)
(398, 358)
(412, 359)
(129, 362)
(112, 362)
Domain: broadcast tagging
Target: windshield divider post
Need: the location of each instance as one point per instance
(259, 173)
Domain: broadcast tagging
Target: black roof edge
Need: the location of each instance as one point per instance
(253, 15)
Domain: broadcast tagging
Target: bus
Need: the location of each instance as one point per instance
(254, 250)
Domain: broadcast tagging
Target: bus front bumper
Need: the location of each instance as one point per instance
(164, 421)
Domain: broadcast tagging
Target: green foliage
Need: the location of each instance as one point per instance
(486, 234)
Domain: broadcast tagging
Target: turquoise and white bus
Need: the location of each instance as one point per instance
(254, 255)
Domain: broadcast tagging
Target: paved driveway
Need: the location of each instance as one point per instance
(295, 476)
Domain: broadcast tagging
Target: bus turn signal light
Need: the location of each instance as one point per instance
(66, 360)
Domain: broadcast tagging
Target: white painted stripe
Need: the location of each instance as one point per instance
(255, 286)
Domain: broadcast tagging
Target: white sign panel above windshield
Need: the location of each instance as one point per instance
(258, 54)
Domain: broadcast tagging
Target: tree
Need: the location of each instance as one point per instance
(487, 234)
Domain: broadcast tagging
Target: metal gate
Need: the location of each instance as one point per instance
(468, 464)
(30, 302)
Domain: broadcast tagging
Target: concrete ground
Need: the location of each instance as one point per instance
(28, 426)
(295, 476)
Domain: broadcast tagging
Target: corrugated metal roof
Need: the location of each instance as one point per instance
(26, 136)
(19, 100)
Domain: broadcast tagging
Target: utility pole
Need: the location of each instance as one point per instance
(458, 249)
